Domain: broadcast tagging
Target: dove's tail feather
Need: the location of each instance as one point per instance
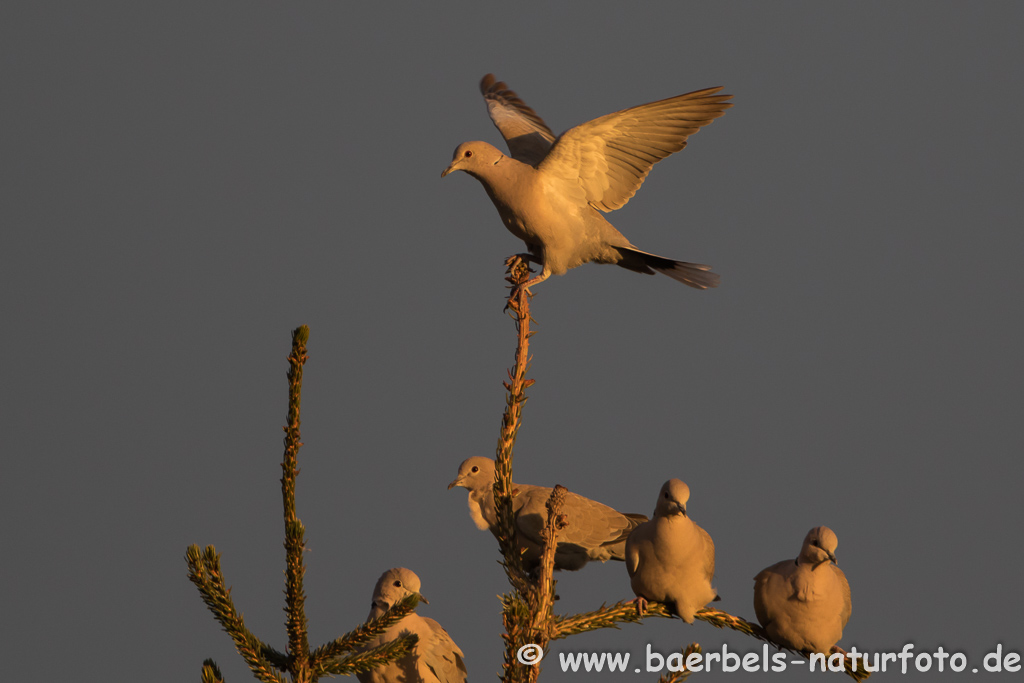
(692, 274)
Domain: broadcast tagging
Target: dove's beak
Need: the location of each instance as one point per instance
(832, 557)
(451, 167)
(422, 599)
(457, 480)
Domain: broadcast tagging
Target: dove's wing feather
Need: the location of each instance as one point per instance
(589, 524)
(765, 589)
(440, 653)
(609, 157)
(529, 507)
(593, 524)
(844, 614)
(637, 536)
(527, 136)
(709, 553)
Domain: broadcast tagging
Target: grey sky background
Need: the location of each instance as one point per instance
(185, 183)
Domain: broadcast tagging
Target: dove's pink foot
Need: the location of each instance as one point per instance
(529, 283)
(527, 259)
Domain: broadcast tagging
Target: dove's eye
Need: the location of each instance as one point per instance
(476, 469)
(468, 153)
(398, 584)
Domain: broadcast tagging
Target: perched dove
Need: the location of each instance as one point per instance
(594, 531)
(550, 192)
(670, 559)
(804, 604)
(435, 657)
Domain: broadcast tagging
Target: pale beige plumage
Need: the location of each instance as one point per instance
(435, 657)
(671, 559)
(593, 532)
(804, 604)
(550, 192)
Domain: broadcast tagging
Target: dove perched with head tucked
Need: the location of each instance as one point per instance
(670, 559)
(804, 603)
(550, 192)
(435, 657)
(593, 532)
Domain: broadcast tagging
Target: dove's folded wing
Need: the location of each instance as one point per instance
(440, 653)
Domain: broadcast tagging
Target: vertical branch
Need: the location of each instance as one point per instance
(516, 614)
(294, 544)
(519, 304)
(544, 593)
(541, 597)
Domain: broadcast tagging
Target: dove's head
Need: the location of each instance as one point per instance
(819, 545)
(475, 158)
(475, 474)
(672, 499)
(392, 586)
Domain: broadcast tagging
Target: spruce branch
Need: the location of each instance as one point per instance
(720, 619)
(676, 676)
(626, 612)
(278, 659)
(204, 571)
(211, 672)
(543, 593)
(519, 305)
(364, 633)
(520, 627)
(515, 615)
(368, 660)
(294, 544)
(540, 596)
